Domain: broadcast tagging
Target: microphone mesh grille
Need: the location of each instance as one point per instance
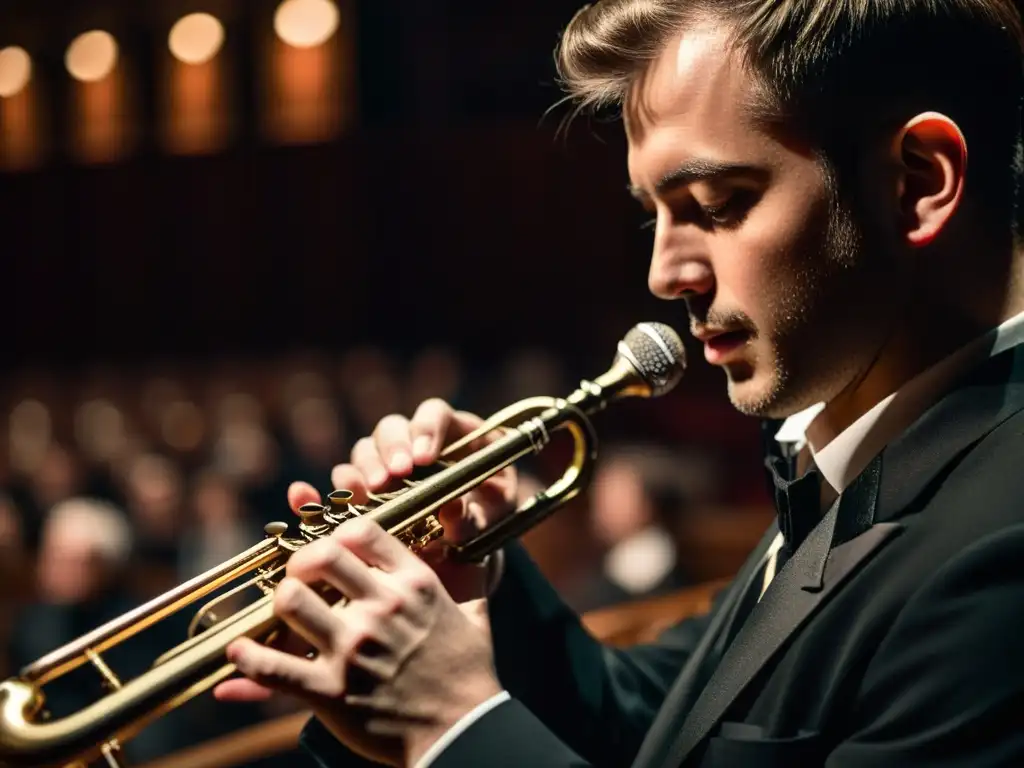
(659, 353)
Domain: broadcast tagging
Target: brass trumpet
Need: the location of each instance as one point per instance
(649, 362)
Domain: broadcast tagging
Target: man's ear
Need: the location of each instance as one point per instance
(931, 155)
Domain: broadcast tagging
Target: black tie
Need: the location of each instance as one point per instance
(797, 501)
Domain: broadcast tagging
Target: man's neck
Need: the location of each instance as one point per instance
(924, 337)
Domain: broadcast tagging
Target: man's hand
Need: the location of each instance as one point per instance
(389, 672)
(398, 445)
(411, 652)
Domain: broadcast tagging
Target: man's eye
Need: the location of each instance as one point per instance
(731, 212)
(719, 214)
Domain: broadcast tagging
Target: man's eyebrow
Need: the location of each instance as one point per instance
(693, 171)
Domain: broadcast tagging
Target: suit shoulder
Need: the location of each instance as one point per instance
(990, 474)
(978, 497)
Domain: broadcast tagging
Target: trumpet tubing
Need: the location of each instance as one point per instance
(649, 362)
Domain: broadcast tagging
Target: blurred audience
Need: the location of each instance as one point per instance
(85, 550)
(12, 536)
(153, 493)
(118, 485)
(639, 498)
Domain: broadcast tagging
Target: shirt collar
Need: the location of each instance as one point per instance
(842, 457)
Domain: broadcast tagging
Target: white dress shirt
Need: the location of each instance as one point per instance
(842, 456)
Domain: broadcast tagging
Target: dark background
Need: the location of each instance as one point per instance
(450, 210)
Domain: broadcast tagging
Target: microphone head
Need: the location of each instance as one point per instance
(657, 354)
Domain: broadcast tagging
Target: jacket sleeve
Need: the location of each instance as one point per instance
(946, 686)
(600, 701)
(509, 736)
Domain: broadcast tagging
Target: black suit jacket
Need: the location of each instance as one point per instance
(892, 637)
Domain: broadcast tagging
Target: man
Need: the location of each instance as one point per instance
(834, 185)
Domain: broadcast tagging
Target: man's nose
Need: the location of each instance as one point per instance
(671, 278)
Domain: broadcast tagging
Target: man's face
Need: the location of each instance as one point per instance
(779, 282)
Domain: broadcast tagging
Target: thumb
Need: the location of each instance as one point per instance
(241, 689)
(300, 493)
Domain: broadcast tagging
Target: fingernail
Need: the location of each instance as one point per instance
(378, 478)
(400, 462)
(421, 446)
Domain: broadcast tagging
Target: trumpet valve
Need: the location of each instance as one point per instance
(422, 533)
(275, 530)
(340, 498)
(314, 524)
(312, 514)
(339, 507)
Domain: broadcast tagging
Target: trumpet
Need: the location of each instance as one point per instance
(649, 362)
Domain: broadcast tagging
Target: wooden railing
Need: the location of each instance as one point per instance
(621, 626)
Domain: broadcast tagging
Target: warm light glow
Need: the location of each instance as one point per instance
(196, 38)
(15, 70)
(306, 23)
(91, 56)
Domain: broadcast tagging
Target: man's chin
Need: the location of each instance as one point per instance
(754, 396)
(765, 398)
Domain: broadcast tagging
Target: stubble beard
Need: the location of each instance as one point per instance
(797, 366)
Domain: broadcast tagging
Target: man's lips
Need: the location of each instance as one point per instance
(720, 345)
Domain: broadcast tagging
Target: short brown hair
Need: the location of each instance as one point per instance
(836, 70)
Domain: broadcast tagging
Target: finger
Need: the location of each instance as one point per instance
(451, 514)
(306, 613)
(456, 523)
(373, 545)
(394, 444)
(276, 670)
(487, 504)
(241, 689)
(367, 459)
(300, 493)
(464, 422)
(429, 428)
(347, 477)
(329, 561)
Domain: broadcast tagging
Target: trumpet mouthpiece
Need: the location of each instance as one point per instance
(657, 354)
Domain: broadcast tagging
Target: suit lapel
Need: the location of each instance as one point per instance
(697, 668)
(811, 576)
